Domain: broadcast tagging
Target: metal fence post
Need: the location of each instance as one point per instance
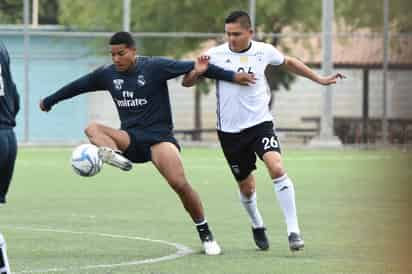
(385, 72)
(26, 129)
(126, 15)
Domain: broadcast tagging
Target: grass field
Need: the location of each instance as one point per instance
(353, 207)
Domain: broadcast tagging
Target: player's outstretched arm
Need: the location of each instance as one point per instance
(87, 83)
(43, 107)
(202, 67)
(298, 67)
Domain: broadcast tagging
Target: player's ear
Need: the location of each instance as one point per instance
(133, 49)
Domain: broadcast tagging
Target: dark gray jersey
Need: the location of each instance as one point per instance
(9, 98)
(140, 94)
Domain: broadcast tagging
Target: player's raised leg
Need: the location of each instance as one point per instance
(111, 142)
(4, 263)
(285, 194)
(166, 158)
(247, 191)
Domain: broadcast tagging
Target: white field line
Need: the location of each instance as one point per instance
(181, 250)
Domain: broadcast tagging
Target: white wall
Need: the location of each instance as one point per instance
(304, 99)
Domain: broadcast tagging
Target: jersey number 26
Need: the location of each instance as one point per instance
(270, 143)
(242, 69)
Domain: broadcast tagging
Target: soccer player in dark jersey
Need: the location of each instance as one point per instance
(138, 86)
(9, 106)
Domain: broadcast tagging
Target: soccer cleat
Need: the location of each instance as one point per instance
(261, 240)
(295, 242)
(211, 248)
(114, 158)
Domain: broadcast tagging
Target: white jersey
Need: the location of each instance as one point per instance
(241, 107)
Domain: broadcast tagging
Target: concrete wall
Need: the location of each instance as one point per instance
(54, 62)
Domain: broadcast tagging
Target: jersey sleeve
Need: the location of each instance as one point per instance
(90, 82)
(218, 73)
(8, 81)
(169, 68)
(274, 56)
(4, 54)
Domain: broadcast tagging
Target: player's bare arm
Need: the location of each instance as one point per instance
(201, 65)
(298, 67)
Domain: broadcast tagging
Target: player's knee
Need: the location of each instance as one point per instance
(248, 193)
(247, 189)
(277, 169)
(278, 172)
(92, 129)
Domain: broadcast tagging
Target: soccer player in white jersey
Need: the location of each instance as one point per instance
(245, 123)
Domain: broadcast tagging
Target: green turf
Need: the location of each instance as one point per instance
(353, 208)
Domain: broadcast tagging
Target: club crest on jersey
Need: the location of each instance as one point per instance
(244, 59)
(140, 80)
(118, 83)
(259, 55)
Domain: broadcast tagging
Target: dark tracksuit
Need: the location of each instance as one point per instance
(9, 107)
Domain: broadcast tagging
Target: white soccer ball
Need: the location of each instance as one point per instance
(86, 161)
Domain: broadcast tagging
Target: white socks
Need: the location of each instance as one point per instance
(250, 204)
(285, 194)
(4, 263)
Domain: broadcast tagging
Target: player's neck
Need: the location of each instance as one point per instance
(244, 49)
(133, 66)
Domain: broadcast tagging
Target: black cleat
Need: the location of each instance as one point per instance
(259, 235)
(295, 242)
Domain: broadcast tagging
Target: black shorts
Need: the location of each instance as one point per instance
(142, 139)
(240, 149)
(8, 152)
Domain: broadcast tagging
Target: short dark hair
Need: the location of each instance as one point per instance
(239, 16)
(122, 37)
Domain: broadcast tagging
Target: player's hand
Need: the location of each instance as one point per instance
(331, 79)
(244, 78)
(43, 107)
(201, 64)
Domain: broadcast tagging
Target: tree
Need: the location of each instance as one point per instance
(11, 12)
(368, 14)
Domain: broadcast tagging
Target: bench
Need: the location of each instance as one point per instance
(351, 129)
(193, 134)
(306, 134)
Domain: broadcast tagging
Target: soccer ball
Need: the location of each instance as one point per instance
(86, 161)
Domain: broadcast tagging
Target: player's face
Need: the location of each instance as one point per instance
(122, 56)
(238, 37)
